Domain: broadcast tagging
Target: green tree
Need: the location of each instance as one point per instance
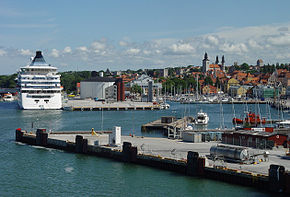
(245, 67)
(136, 89)
(8, 81)
(208, 80)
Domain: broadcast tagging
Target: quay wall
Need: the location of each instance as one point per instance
(278, 179)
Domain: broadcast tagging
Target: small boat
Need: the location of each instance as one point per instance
(8, 97)
(283, 124)
(251, 118)
(201, 118)
(189, 127)
(164, 106)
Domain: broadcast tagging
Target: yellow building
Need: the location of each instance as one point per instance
(237, 91)
(232, 82)
(241, 91)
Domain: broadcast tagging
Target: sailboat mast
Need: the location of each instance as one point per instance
(197, 88)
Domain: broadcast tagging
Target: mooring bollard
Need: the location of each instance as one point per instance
(192, 163)
(287, 182)
(201, 165)
(277, 178)
(85, 146)
(44, 139)
(19, 135)
(79, 144)
(40, 137)
(129, 152)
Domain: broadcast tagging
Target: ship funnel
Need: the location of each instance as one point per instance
(38, 54)
(38, 59)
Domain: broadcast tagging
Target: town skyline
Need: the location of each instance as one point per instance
(137, 35)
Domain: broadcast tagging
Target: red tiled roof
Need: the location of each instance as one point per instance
(279, 71)
(215, 66)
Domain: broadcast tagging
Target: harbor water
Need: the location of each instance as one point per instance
(33, 171)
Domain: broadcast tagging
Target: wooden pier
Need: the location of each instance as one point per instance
(167, 122)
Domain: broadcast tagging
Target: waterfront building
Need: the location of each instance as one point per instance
(209, 89)
(163, 72)
(39, 85)
(232, 82)
(261, 91)
(255, 139)
(120, 89)
(103, 88)
(143, 82)
(237, 91)
(111, 93)
(95, 87)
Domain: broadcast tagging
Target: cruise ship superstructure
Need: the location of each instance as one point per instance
(39, 85)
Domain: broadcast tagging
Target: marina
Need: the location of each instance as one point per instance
(145, 98)
(152, 148)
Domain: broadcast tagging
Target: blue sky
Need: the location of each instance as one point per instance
(121, 35)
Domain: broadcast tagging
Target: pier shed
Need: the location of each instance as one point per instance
(255, 139)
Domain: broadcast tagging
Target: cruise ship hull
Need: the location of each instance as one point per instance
(39, 85)
(26, 101)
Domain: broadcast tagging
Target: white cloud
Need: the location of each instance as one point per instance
(181, 48)
(283, 29)
(54, 53)
(157, 51)
(234, 48)
(253, 44)
(146, 52)
(280, 40)
(26, 52)
(270, 43)
(133, 51)
(212, 40)
(98, 45)
(67, 50)
(83, 49)
(123, 43)
(2, 52)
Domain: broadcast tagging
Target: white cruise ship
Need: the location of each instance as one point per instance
(39, 85)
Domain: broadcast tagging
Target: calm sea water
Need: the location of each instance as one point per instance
(33, 171)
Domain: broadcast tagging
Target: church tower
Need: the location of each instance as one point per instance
(223, 64)
(217, 60)
(205, 63)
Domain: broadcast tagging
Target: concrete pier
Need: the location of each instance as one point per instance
(91, 105)
(174, 155)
